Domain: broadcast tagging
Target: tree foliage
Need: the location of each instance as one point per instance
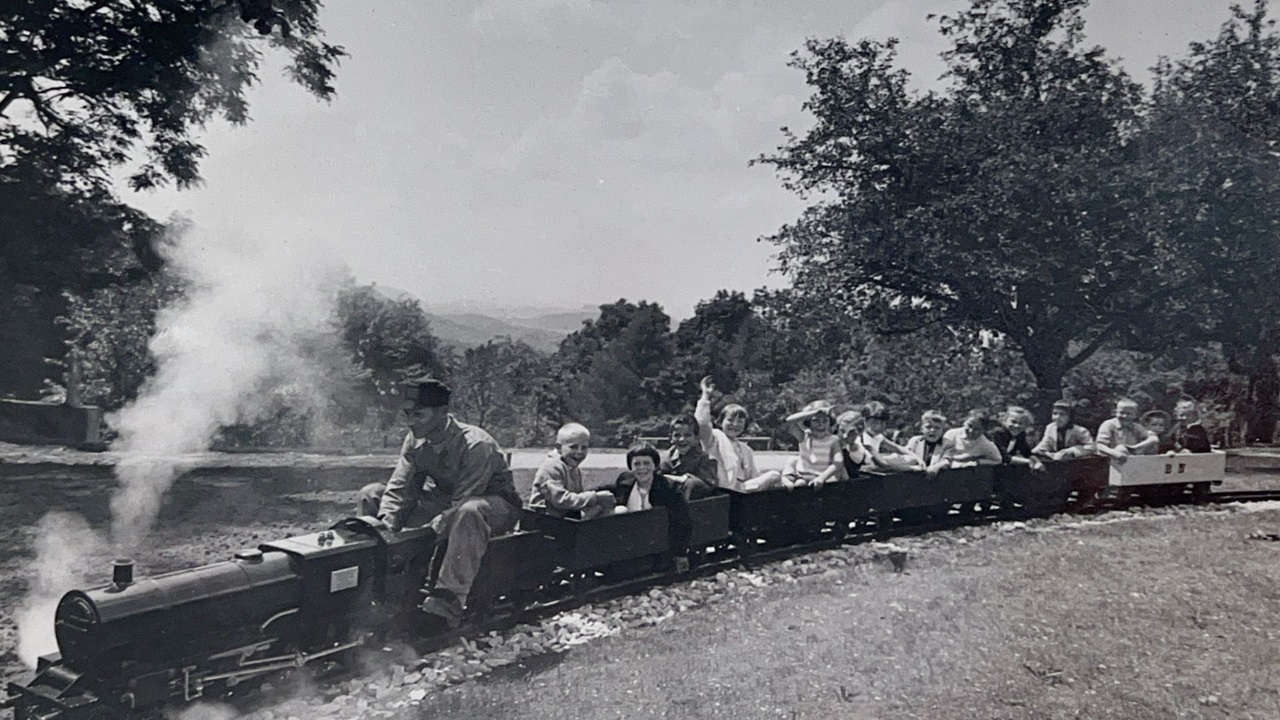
(108, 331)
(1036, 196)
(495, 386)
(84, 85)
(85, 82)
(612, 368)
(1215, 129)
(390, 339)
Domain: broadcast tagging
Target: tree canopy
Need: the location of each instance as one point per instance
(1038, 195)
(85, 82)
(88, 87)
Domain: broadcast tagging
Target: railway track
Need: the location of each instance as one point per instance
(1244, 496)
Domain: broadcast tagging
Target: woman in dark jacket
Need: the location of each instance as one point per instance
(642, 487)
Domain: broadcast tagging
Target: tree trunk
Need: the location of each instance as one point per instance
(1264, 385)
(1043, 400)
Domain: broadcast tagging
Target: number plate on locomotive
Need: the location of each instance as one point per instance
(344, 579)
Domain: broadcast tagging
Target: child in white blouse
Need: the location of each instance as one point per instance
(816, 461)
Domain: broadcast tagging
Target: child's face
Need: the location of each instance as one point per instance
(820, 424)
(1061, 418)
(1157, 425)
(1126, 413)
(643, 467)
(734, 425)
(849, 429)
(973, 428)
(574, 450)
(1186, 414)
(875, 426)
(682, 437)
(932, 428)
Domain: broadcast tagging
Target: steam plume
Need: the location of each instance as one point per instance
(62, 541)
(235, 336)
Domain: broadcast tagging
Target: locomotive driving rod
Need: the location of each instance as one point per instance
(259, 667)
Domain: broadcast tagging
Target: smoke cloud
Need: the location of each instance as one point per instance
(63, 542)
(242, 336)
(239, 334)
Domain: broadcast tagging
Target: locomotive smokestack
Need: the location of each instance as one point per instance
(122, 573)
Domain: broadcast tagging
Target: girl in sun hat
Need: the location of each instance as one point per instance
(815, 463)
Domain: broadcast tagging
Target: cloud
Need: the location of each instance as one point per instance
(621, 119)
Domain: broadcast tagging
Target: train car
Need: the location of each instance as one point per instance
(1023, 493)
(1165, 477)
(620, 545)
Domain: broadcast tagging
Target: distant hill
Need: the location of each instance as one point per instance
(468, 330)
(467, 325)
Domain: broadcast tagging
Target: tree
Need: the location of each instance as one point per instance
(613, 367)
(726, 338)
(391, 339)
(1025, 199)
(84, 82)
(495, 387)
(56, 245)
(1215, 134)
(108, 331)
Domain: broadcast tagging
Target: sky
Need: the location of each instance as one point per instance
(564, 153)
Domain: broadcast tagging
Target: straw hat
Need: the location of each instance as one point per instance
(817, 407)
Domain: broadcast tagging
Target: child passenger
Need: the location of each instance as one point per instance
(686, 463)
(1122, 435)
(928, 447)
(816, 462)
(1158, 422)
(968, 445)
(885, 454)
(1189, 436)
(557, 486)
(642, 487)
(735, 462)
(1011, 438)
(1063, 439)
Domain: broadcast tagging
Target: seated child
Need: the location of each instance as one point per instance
(853, 456)
(1063, 439)
(1122, 435)
(1189, 436)
(1158, 422)
(735, 462)
(928, 447)
(968, 445)
(1011, 438)
(885, 454)
(642, 487)
(687, 464)
(819, 449)
(557, 486)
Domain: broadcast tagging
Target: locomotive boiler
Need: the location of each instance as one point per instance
(135, 645)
